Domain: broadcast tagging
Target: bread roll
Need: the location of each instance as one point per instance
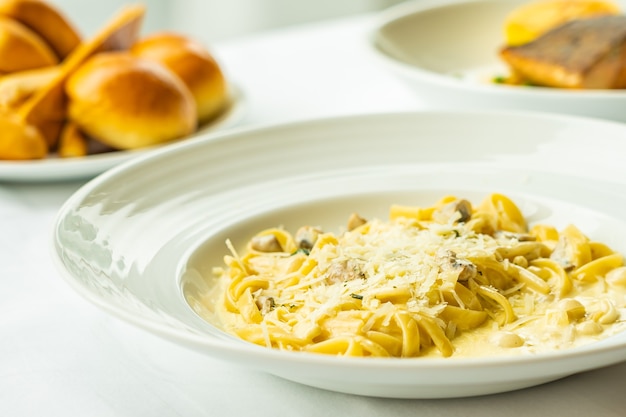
(17, 87)
(21, 48)
(128, 102)
(20, 141)
(193, 64)
(118, 34)
(45, 20)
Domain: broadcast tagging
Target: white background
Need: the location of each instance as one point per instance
(211, 20)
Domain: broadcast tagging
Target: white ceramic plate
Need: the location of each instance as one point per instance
(137, 240)
(447, 52)
(60, 169)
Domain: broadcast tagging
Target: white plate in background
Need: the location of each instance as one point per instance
(446, 51)
(137, 240)
(65, 169)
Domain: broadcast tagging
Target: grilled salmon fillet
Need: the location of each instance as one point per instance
(580, 54)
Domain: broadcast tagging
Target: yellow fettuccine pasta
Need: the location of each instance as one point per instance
(448, 279)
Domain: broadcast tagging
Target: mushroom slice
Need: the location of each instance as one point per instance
(343, 271)
(266, 243)
(462, 268)
(459, 211)
(306, 237)
(265, 304)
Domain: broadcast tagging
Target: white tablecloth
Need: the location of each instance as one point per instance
(62, 356)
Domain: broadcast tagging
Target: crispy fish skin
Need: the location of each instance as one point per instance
(580, 54)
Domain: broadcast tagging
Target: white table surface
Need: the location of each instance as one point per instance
(62, 356)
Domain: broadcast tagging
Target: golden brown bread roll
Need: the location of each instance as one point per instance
(127, 102)
(193, 64)
(17, 87)
(22, 49)
(119, 33)
(20, 141)
(45, 20)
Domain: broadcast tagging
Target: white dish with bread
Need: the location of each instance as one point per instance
(154, 262)
(516, 54)
(72, 107)
(54, 168)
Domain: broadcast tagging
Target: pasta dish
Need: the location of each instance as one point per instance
(450, 279)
